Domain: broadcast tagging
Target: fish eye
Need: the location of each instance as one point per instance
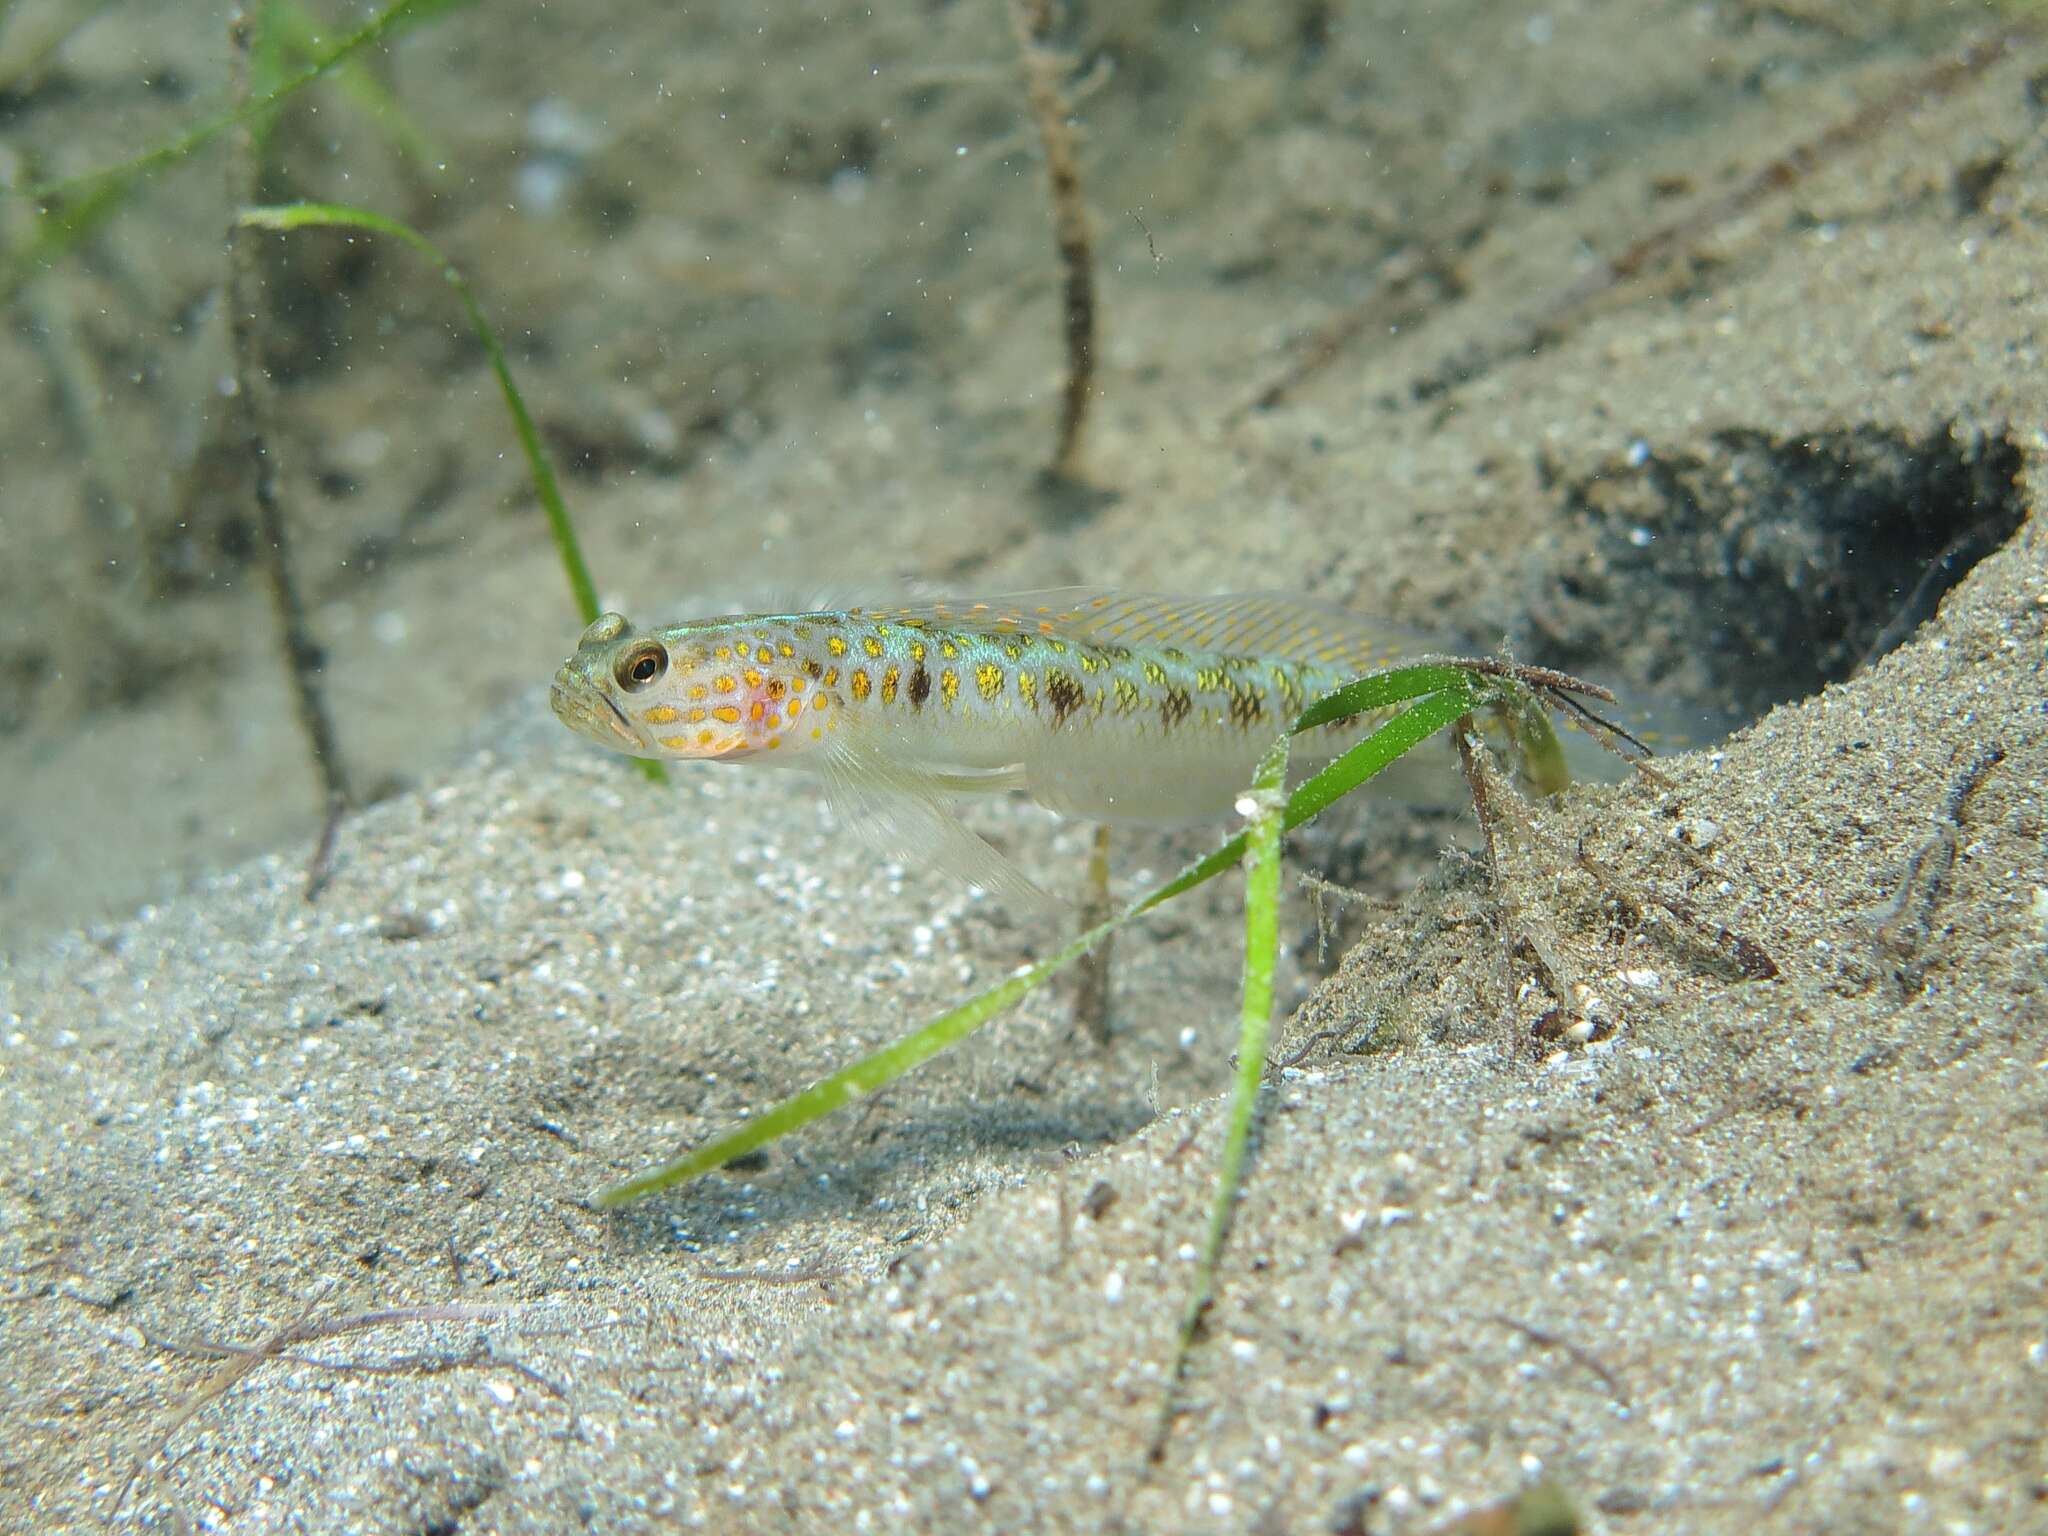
(641, 666)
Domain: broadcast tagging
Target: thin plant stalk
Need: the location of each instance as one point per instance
(251, 415)
(1032, 21)
(1267, 805)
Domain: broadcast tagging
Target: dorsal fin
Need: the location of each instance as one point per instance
(1250, 623)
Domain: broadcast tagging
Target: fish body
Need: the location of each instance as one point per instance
(1113, 707)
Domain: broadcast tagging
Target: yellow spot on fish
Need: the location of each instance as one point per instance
(1155, 674)
(1012, 650)
(949, 685)
(724, 682)
(706, 736)
(872, 646)
(756, 711)
(723, 653)
(817, 733)
(948, 649)
(728, 713)
(700, 692)
(661, 714)
(740, 650)
(786, 649)
(697, 716)
(797, 685)
(774, 741)
(776, 688)
(676, 743)
(832, 678)
(836, 644)
(796, 707)
(1126, 695)
(1027, 688)
(917, 652)
(988, 678)
(859, 682)
(754, 679)
(889, 684)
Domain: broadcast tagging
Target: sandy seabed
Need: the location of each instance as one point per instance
(1759, 1255)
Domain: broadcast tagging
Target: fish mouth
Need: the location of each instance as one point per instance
(575, 703)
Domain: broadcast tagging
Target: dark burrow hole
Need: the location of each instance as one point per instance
(1717, 581)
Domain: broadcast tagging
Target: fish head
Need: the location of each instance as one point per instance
(592, 687)
(704, 690)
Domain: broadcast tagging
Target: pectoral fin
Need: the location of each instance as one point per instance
(903, 813)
